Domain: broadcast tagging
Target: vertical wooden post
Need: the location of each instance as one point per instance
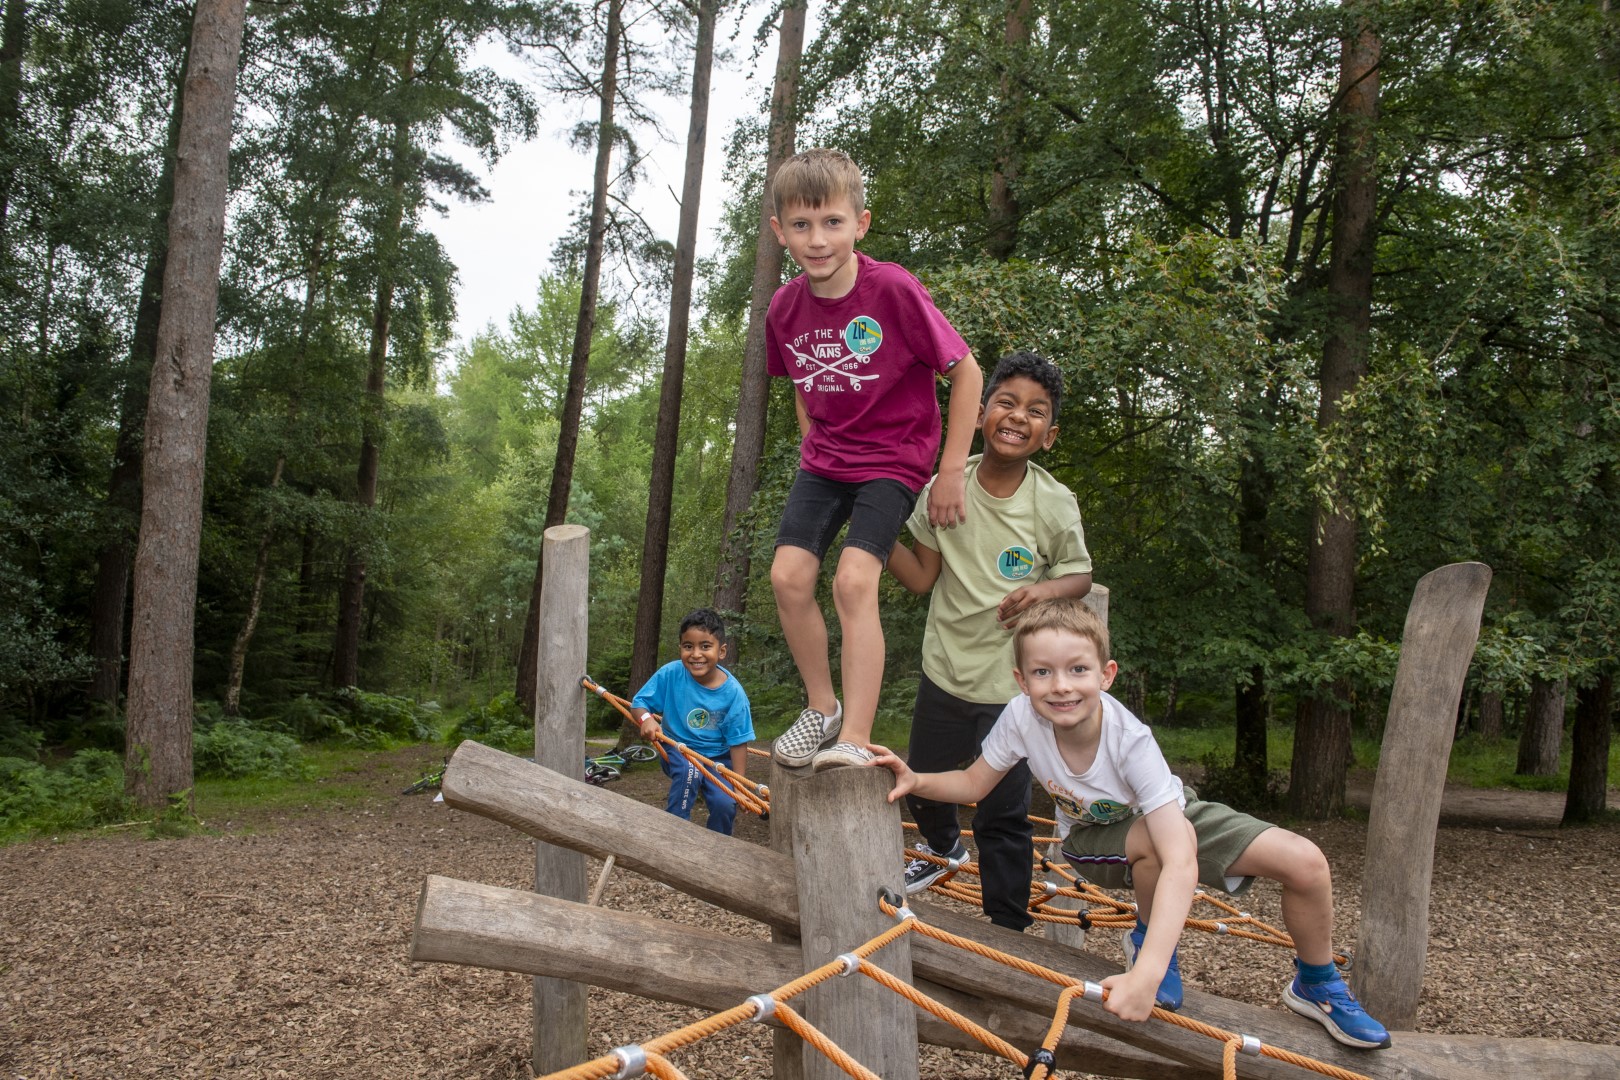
(787, 1059)
(559, 744)
(1442, 628)
(1097, 601)
(847, 847)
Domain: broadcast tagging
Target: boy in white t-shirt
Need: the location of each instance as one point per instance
(1129, 824)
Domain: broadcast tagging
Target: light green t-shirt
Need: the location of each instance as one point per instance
(1032, 535)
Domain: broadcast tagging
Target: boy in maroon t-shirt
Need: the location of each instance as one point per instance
(863, 343)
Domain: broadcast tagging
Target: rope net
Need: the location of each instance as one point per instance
(1049, 901)
(650, 1058)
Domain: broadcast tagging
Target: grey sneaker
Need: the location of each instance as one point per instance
(840, 754)
(809, 733)
(923, 872)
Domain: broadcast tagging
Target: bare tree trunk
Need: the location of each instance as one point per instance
(661, 486)
(352, 591)
(250, 622)
(1588, 793)
(1490, 716)
(158, 752)
(13, 42)
(1253, 697)
(1322, 733)
(1005, 211)
(753, 395)
(117, 554)
(562, 470)
(1543, 733)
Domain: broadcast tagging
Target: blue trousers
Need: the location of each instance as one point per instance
(686, 784)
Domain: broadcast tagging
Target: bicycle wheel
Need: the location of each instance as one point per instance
(428, 783)
(639, 752)
(598, 773)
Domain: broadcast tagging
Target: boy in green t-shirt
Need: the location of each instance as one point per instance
(1021, 541)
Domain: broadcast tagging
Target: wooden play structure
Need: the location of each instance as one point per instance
(836, 846)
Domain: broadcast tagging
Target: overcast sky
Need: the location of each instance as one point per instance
(501, 247)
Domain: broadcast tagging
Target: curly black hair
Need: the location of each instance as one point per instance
(1030, 366)
(706, 619)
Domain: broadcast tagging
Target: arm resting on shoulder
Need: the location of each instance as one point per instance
(1073, 586)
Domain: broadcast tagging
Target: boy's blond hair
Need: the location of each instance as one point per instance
(816, 177)
(1061, 613)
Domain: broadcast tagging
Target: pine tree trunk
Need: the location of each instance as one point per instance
(753, 395)
(1588, 793)
(562, 470)
(158, 736)
(1253, 704)
(108, 606)
(352, 591)
(1005, 211)
(1322, 734)
(13, 43)
(1490, 716)
(1542, 736)
(661, 485)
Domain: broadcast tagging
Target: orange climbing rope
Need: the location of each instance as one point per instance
(750, 795)
(649, 1057)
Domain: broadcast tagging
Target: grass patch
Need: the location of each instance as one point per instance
(333, 778)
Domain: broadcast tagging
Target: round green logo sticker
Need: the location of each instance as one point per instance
(863, 335)
(698, 719)
(1015, 562)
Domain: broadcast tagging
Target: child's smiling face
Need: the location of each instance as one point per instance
(1064, 677)
(822, 241)
(1016, 419)
(702, 652)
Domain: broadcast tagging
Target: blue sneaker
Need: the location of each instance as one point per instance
(1168, 996)
(1332, 1005)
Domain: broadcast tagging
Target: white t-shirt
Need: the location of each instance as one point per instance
(1128, 777)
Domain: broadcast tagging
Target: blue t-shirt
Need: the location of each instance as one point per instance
(709, 721)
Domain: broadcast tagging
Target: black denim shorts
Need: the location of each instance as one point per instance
(818, 507)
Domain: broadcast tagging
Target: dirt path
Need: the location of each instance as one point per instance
(277, 947)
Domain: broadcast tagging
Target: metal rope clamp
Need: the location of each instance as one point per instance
(851, 962)
(1251, 1046)
(1043, 1056)
(764, 1008)
(632, 1061)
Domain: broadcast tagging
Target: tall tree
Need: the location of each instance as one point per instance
(158, 735)
(753, 397)
(1322, 733)
(113, 563)
(562, 472)
(661, 486)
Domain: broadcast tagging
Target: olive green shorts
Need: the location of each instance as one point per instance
(1097, 852)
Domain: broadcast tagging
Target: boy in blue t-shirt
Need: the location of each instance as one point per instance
(703, 707)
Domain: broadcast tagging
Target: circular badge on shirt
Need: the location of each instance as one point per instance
(863, 335)
(697, 719)
(1015, 562)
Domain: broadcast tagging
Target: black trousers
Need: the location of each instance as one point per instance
(945, 734)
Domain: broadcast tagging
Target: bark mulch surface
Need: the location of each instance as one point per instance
(278, 945)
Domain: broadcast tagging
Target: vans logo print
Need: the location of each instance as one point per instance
(828, 363)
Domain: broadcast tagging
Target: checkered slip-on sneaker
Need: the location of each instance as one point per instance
(838, 755)
(809, 733)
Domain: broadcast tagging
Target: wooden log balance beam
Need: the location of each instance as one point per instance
(479, 925)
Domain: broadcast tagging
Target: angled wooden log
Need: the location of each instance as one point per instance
(560, 1024)
(1392, 946)
(460, 922)
(571, 813)
(723, 870)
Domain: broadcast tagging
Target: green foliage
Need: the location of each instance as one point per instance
(499, 722)
(358, 718)
(231, 749)
(85, 791)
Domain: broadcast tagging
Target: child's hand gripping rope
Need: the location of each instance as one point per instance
(750, 795)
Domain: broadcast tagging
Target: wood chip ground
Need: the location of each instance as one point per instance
(276, 946)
